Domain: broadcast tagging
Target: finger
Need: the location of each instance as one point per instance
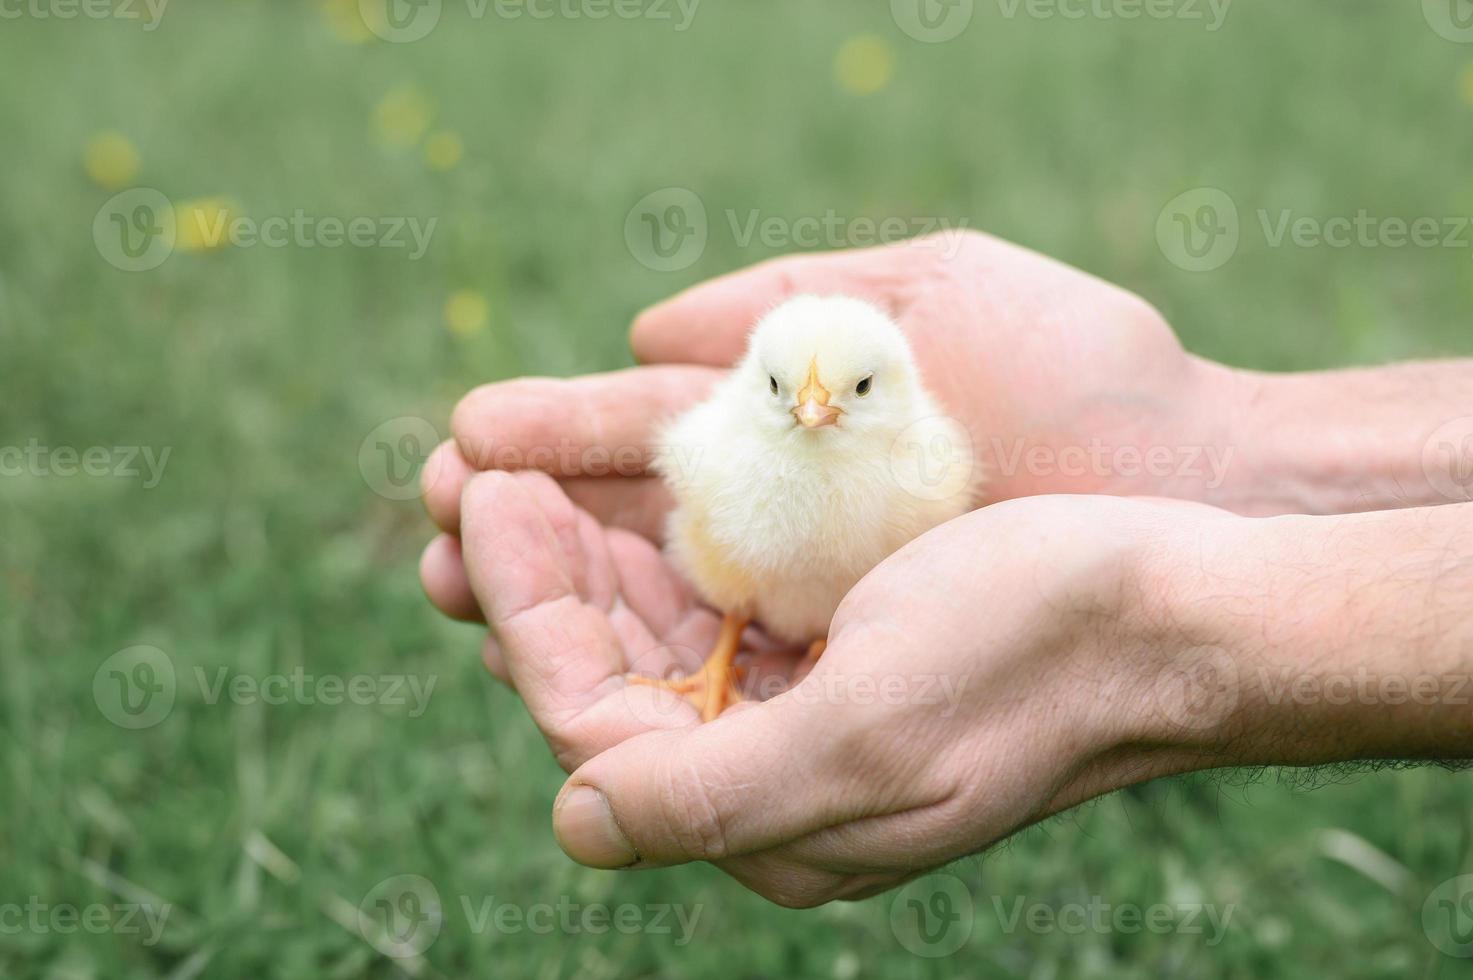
(597, 425)
(441, 482)
(495, 661)
(709, 323)
(720, 790)
(517, 532)
(442, 574)
(646, 583)
(639, 505)
(546, 581)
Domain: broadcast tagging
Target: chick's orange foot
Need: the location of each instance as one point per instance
(713, 688)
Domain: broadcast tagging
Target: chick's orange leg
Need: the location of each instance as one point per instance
(712, 689)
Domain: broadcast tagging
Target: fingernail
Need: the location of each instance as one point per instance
(585, 830)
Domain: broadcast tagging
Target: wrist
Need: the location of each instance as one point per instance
(1310, 640)
(1342, 442)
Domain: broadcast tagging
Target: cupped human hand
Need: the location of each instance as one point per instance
(574, 607)
(1064, 382)
(994, 671)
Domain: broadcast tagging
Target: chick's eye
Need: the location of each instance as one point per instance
(772, 384)
(863, 387)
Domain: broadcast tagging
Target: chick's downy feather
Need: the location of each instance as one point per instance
(815, 459)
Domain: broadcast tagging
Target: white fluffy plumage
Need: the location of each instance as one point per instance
(812, 462)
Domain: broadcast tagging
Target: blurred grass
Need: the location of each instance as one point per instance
(264, 370)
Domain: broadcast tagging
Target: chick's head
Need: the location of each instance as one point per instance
(830, 368)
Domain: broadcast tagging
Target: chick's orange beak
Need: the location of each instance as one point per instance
(813, 410)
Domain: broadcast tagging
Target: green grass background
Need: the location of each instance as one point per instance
(263, 548)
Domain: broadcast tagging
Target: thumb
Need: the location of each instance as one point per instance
(746, 782)
(709, 323)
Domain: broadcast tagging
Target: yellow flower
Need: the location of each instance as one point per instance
(466, 312)
(864, 64)
(1465, 88)
(111, 160)
(403, 116)
(345, 19)
(443, 150)
(204, 223)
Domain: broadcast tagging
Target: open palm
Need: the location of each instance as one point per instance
(586, 605)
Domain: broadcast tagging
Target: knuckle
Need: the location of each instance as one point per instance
(478, 495)
(465, 424)
(694, 818)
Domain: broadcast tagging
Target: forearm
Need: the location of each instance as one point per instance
(1333, 638)
(1343, 441)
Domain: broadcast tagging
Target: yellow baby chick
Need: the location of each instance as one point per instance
(807, 466)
